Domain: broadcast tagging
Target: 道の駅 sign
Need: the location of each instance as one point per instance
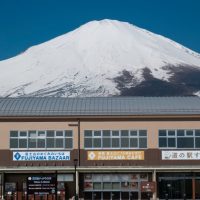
(180, 155)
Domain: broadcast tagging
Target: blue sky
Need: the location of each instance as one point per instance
(24, 23)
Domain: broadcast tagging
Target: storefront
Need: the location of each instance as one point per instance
(38, 186)
(115, 186)
(178, 185)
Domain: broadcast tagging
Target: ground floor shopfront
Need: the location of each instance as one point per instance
(14, 186)
(105, 185)
(115, 186)
(178, 185)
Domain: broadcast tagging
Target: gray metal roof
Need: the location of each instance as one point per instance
(108, 106)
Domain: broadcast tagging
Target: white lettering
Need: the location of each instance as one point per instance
(40, 156)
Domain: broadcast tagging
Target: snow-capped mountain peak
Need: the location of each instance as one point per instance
(90, 61)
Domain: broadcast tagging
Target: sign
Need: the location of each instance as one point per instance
(41, 155)
(10, 187)
(115, 155)
(180, 155)
(148, 186)
(40, 185)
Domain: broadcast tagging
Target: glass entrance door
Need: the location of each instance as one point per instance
(125, 195)
(107, 195)
(134, 195)
(116, 196)
(175, 189)
(97, 195)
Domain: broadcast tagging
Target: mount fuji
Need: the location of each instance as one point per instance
(103, 58)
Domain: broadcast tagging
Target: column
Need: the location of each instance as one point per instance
(154, 180)
(77, 183)
(193, 187)
(2, 186)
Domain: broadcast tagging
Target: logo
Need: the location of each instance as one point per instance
(17, 156)
(91, 155)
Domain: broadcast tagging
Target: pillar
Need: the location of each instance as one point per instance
(193, 187)
(154, 180)
(2, 186)
(77, 183)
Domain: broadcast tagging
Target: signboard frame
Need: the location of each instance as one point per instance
(115, 155)
(42, 184)
(147, 186)
(180, 155)
(41, 155)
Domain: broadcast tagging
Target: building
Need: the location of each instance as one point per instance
(100, 148)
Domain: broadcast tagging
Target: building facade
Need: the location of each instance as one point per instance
(100, 148)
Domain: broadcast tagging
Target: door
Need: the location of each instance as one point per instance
(106, 195)
(125, 195)
(96, 195)
(116, 195)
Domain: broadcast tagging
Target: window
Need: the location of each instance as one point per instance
(48, 139)
(97, 186)
(142, 139)
(88, 139)
(179, 138)
(115, 139)
(14, 139)
(97, 139)
(113, 182)
(68, 139)
(124, 139)
(41, 139)
(106, 139)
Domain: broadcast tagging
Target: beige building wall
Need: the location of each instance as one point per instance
(152, 128)
(5, 128)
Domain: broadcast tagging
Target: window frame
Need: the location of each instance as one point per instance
(193, 136)
(119, 137)
(45, 137)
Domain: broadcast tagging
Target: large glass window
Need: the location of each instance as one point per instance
(113, 182)
(115, 139)
(179, 138)
(175, 186)
(42, 139)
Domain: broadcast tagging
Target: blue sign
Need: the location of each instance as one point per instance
(41, 155)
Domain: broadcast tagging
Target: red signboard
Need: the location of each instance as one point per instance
(148, 186)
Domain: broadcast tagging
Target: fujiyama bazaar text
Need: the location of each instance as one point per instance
(41, 156)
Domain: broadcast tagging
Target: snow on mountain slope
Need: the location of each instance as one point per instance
(86, 61)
